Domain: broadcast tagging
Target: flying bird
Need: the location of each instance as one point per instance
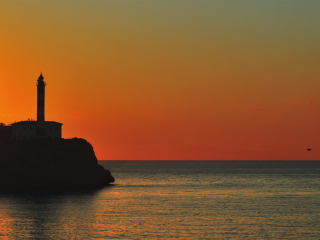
(309, 149)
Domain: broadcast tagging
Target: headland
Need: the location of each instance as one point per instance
(34, 156)
(45, 164)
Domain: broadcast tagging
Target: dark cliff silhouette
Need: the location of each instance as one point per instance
(50, 164)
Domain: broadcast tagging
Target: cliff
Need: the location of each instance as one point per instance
(50, 164)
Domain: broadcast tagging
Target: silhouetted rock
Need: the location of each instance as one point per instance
(50, 164)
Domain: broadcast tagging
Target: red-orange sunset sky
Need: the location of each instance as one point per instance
(164, 79)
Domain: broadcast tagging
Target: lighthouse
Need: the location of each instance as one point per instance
(40, 104)
(40, 129)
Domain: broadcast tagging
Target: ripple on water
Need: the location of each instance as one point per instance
(173, 200)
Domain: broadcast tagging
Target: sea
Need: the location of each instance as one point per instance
(176, 200)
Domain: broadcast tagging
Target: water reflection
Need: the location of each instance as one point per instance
(176, 201)
(46, 216)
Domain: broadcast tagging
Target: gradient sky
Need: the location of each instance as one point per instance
(168, 79)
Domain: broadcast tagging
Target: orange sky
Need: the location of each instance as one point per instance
(168, 79)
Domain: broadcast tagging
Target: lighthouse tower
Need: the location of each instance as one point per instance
(40, 105)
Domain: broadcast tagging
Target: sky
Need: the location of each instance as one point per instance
(168, 79)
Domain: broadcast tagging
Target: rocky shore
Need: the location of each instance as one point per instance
(51, 164)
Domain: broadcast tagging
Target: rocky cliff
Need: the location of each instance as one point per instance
(50, 164)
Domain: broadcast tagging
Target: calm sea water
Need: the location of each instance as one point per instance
(176, 200)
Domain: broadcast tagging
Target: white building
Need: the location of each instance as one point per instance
(40, 129)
